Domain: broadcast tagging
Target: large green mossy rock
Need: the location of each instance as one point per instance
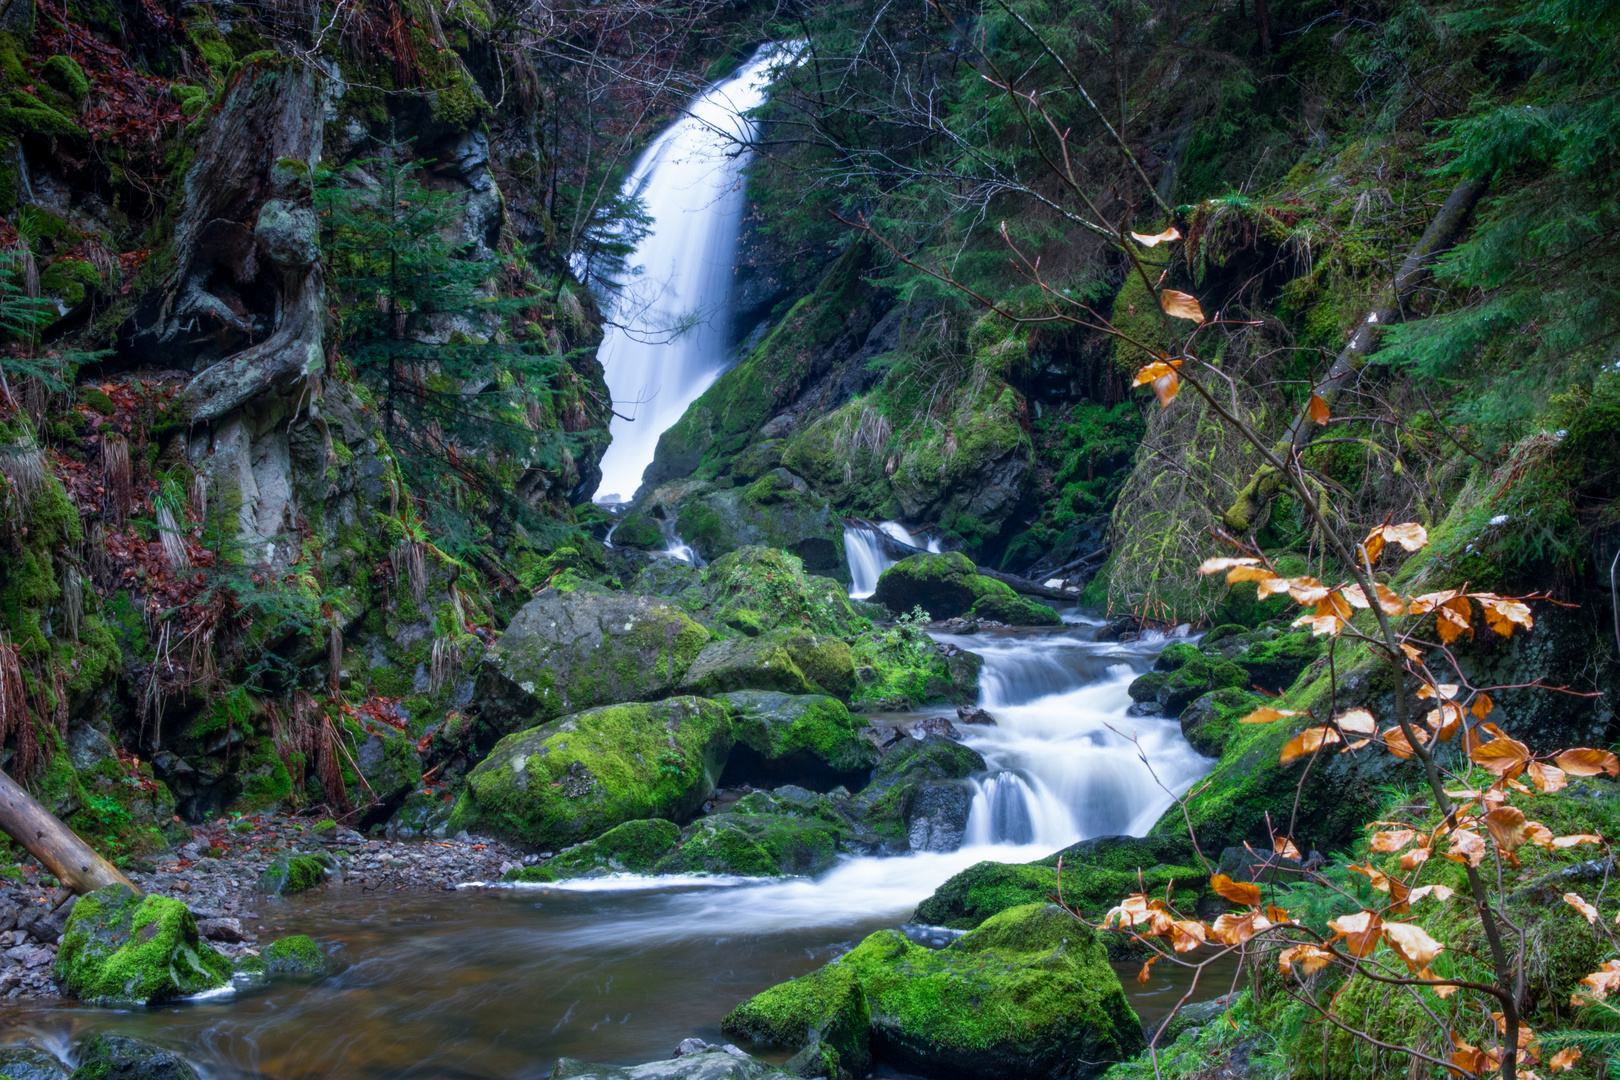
(1192, 676)
(917, 800)
(1097, 874)
(632, 848)
(568, 651)
(776, 510)
(786, 661)
(949, 585)
(785, 832)
(288, 874)
(824, 1014)
(1029, 993)
(123, 949)
(1212, 720)
(576, 777)
(296, 956)
(808, 739)
(118, 1057)
(755, 589)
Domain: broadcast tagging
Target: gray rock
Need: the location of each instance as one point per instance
(777, 509)
(936, 819)
(727, 1063)
(46, 926)
(25, 1062)
(118, 1057)
(222, 929)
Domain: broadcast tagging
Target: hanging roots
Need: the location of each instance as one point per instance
(199, 494)
(327, 769)
(14, 716)
(24, 470)
(444, 662)
(118, 478)
(409, 560)
(334, 654)
(73, 600)
(174, 547)
(294, 736)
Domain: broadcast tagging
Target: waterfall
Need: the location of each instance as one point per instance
(669, 343)
(866, 556)
(1062, 766)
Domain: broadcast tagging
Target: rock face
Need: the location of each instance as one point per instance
(791, 662)
(123, 949)
(567, 651)
(1029, 993)
(577, 777)
(911, 796)
(949, 585)
(778, 510)
(807, 739)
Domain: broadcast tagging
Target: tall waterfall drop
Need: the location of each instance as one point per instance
(690, 181)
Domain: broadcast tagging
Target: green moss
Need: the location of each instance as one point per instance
(21, 113)
(949, 585)
(65, 74)
(70, 279)
(297, 955)
(779, 726)
(293, 874)
(633, 847)
(118, 948)
(825, 1010)
(638, 530)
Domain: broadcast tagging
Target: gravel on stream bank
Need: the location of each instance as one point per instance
(216, 873)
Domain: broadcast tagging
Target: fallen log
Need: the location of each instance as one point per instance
(75, 863)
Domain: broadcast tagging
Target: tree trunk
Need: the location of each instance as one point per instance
(1414, 273)
(73, 862)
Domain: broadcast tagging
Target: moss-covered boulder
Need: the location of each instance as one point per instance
(1192, 676)
(20, 1061)
(777, 510)
(297, 956)
(790, 662)
(900, 668)
(806, 739)
(119, 1057)
(389, 762)
(824, 1014)
(568, 651)
(785, 832)
(1211, 720)
(632, 848)
(1029, 993)
(288, 874)
(917, 799)
(1272, 657)
(639, 530)
(576, 777)
(949, 585)
(755, 589)
(1097, 874)
(123, 949)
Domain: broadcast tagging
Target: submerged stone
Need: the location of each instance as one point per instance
(123, 949)
(23, 1062)
(118, 1057)
(724, 1064)
(577, 777)
(1030, 993)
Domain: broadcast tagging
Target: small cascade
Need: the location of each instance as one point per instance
(669, 343)
(674, 546)
(867, 559)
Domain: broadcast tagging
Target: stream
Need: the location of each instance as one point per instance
(499, 982)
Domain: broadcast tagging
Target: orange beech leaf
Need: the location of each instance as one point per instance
(1503, 613)
(1574, 900)
(1357, 722)
(1187, 934)
(1412, 652)
(1410, 535)
(1270, 587)
(1395, 742)
(1329, 625)
(1576, 838)
(1239, 892)
(1334, 603)
(1132, 910)
(1548, 778)
(1234, 929)
(1466, 847)
(1413, 943)
(1143, 976)
(1249, 573)
(1377, 876)
(1360, 932)
(1470, 1059)
(1565, 1059)
(1453, 623)
(1443, 690)
(1277, 914)
(1307, 742)
(1415, 858)
(1283, 846)
(1507, 827)
(1602, 982)
(1422, 605)
(1481, 706)
(1157, 369)
(1165, 388)
(1215, 566)
(1444, 990)
(1304, 959)
(1445, 720)
(1539, 834)
(1180, 305)
(1584, 761)
(1502, 756)
(1306, 590)
(1319, 410)
(1265, 714)
(1387, 599)
(1157, 238)
(1393, 839)
(1423, 892)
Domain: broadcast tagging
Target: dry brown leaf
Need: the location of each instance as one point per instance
(1422, 605)
(1547, 778)
(1249, 573)
(1574, 900)
(1502, 756)
(1146, 972)
(1157, 369)
(1356, 722)
(1603, 981)
(1423, 892)
(1565, 1059)
(1447, 691)
(1180, 305)
(1239, 892)
(1307, 742)
(1576, 838)
(1303, 959)
(1466, 847)
(1584, 761)
(1415, 858)
(1334, 603)
(1454, 621)
(1503, 613)
(1157, 238)
(1306, 590)
(1265, 714)
(1395, 742)
(1508, 827)
(1360, 932)
(1481, 706)
(1283, 846)
(1445, 720)
(1409, 534)
(1321, 624)
(1319, 410)
(1413, 943)
(1270, 587)
(1215, 566)
(1234, 929)
(1412, 652)
(1393, 839)
(1187, 934)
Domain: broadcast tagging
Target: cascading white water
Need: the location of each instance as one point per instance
(867, 559)
(1062, 764)
(690, 181)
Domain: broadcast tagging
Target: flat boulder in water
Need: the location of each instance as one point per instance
(918, 799)
(790, 831)
(567, 651)
(578, 776)
(949, 585)
(123, 949)
(1029, 994)
(118, 1057)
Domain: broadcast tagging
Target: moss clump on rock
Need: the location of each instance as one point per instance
(575, 778)
(297, 955)
(118, 1057)
(777, 510)
(824, 1013)
(788, 831)
(293, 874)
(123, 949)
(755, 589)
(785, 661)
(632, 848)
(800, 737)
(1029, 993)
(638, 530)
(1194, 677)
(949, 585)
